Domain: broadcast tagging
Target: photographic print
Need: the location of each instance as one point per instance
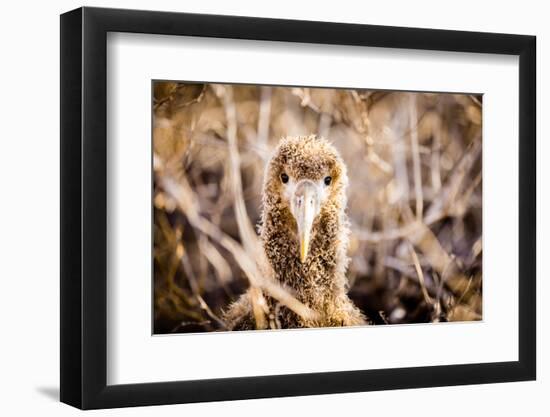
(321, 204)
(278, 207)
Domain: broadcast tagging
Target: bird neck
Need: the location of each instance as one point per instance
(321, 277)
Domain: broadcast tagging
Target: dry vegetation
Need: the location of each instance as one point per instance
(415, 198)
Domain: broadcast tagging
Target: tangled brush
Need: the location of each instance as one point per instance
(414, 198)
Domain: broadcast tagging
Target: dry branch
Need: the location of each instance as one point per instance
(187, 203)
(414, 203)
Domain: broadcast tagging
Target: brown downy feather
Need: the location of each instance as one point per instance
(320, 282)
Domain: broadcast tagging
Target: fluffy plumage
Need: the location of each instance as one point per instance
(304, 232)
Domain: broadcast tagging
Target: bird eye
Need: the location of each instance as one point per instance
(284, 178)
(328, 180)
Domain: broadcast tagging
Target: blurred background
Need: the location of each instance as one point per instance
(414, 200)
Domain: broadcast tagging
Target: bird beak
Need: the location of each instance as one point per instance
(305, 207)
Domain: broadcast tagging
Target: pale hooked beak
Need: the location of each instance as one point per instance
(305, 205)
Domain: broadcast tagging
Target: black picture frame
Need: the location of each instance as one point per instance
(84, 207)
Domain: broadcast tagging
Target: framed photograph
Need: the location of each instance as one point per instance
(258, 208)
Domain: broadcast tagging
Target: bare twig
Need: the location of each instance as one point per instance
(441, 206)
(435, 168)
(420, 274)
(195, 288)
(413, 123)
(222, 268)
(264, 116)
(182, 194)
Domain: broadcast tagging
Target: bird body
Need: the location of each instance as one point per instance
(304, 233)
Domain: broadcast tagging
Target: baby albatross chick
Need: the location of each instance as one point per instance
(304, 232)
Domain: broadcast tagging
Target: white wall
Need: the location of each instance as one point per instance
(29, 178)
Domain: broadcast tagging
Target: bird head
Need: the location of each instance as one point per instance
(305, 178)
